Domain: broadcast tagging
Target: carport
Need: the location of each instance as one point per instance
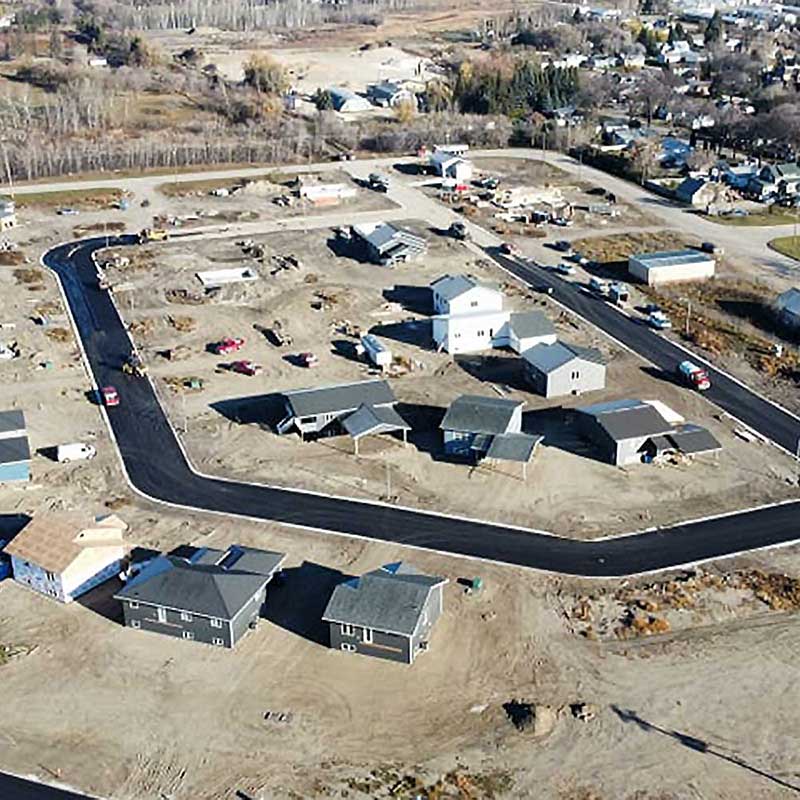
(372, 421)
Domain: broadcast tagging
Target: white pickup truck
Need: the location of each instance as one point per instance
(77, 451)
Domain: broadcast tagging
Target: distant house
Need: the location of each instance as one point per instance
(326, 410)
(447, 165)
(15, 453)
(698, 192)
(787, 306)
(387, 245)
(213, 597)
(8, 215)
(389, 95)
(346, 102)
(784, 177)
(559, 369)
(65, 555)
(631, 431)
(737, 177)
(671, 266)
(387, 613)
(323, 194)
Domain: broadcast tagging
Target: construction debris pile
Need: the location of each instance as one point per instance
(633, 611)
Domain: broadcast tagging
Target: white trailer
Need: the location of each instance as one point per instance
(76, 451)
(376, 351)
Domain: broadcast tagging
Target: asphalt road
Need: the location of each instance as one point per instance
(156, 466)
(13, 788)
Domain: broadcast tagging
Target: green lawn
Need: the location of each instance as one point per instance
(788, 245)
(781, 217)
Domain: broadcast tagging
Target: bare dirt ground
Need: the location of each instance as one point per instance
(320, 304)
(703, 710)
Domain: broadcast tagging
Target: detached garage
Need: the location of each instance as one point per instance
(671, 266)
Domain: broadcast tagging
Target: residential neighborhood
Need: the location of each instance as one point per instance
(399, 400)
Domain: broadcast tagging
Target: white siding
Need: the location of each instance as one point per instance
(655, 276)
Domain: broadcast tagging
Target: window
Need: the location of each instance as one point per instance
(187, 635)
(186, 616)
(347, 630)
(216, 623)
(133, 604)
(367, 635)
(217, 641)
(347, 647)
(576, 375)
(307, 420)
(474, 304)
(162, 614)
(135, 623)
(50, 575)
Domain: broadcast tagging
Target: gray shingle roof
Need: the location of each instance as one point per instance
(203, 589)
(527, 324)
(242, 559)
(14, 450)
(693, 439)
(789, 302)
(513, 447)
(451, 286)
(549, 357)
(628, 419)
(339, 398)
(475, 414)
(10, 421)
(388, 599)
(367, 420)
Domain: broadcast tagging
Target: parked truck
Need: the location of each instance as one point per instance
(76, 451)
(458, 230)
(693, 376)
(152, 235)
(378, 182)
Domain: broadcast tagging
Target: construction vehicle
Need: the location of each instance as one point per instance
(458, 230)
(693, 376)
(152, 235)
(133, 365)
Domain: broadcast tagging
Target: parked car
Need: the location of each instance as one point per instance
(562, 246)
(563, 222)
(564, 269)
(77, 451)
(227, 346)
(308, 359)
(246, 367)
(67, 212)
(652, 308)
(110, 396)
(710, 247)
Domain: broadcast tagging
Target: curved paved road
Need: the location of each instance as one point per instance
(156, 466)
(14, 788)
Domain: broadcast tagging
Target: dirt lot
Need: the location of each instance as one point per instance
(320, 305)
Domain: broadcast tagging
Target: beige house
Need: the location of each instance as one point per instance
(65, 555)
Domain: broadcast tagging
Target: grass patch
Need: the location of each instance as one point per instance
(81, 199)
(756, 220)
(787, 246)
(614, 251)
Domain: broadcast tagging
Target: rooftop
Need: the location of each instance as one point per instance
(789, 301)
(671, 258)
(14, 449)
(388, 599)
(628, 419)
(11, 421)
(451, 286)
(339, 398)
(527, 324)
(368, 420)
(513, 447)
(54, 540)
(476, 414)
(550, 357)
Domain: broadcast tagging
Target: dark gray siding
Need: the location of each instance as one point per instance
(592, 430)
(384, 645)
(200, 627)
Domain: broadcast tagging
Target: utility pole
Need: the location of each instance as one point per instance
(8, 169)
(688, 314)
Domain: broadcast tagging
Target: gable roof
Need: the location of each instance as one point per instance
(548, 358)
(389, 599)
(371, 420)
(628, 419)
(688, 187)
(12, 421)
(54, 540)
(527, 324)
(208, 590)
(513, 447)
(476, 414)
(339, 398)
(244, 559)
(693, 439)
(451, 286)
(14, 450)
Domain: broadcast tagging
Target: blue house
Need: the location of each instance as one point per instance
(15, 454)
